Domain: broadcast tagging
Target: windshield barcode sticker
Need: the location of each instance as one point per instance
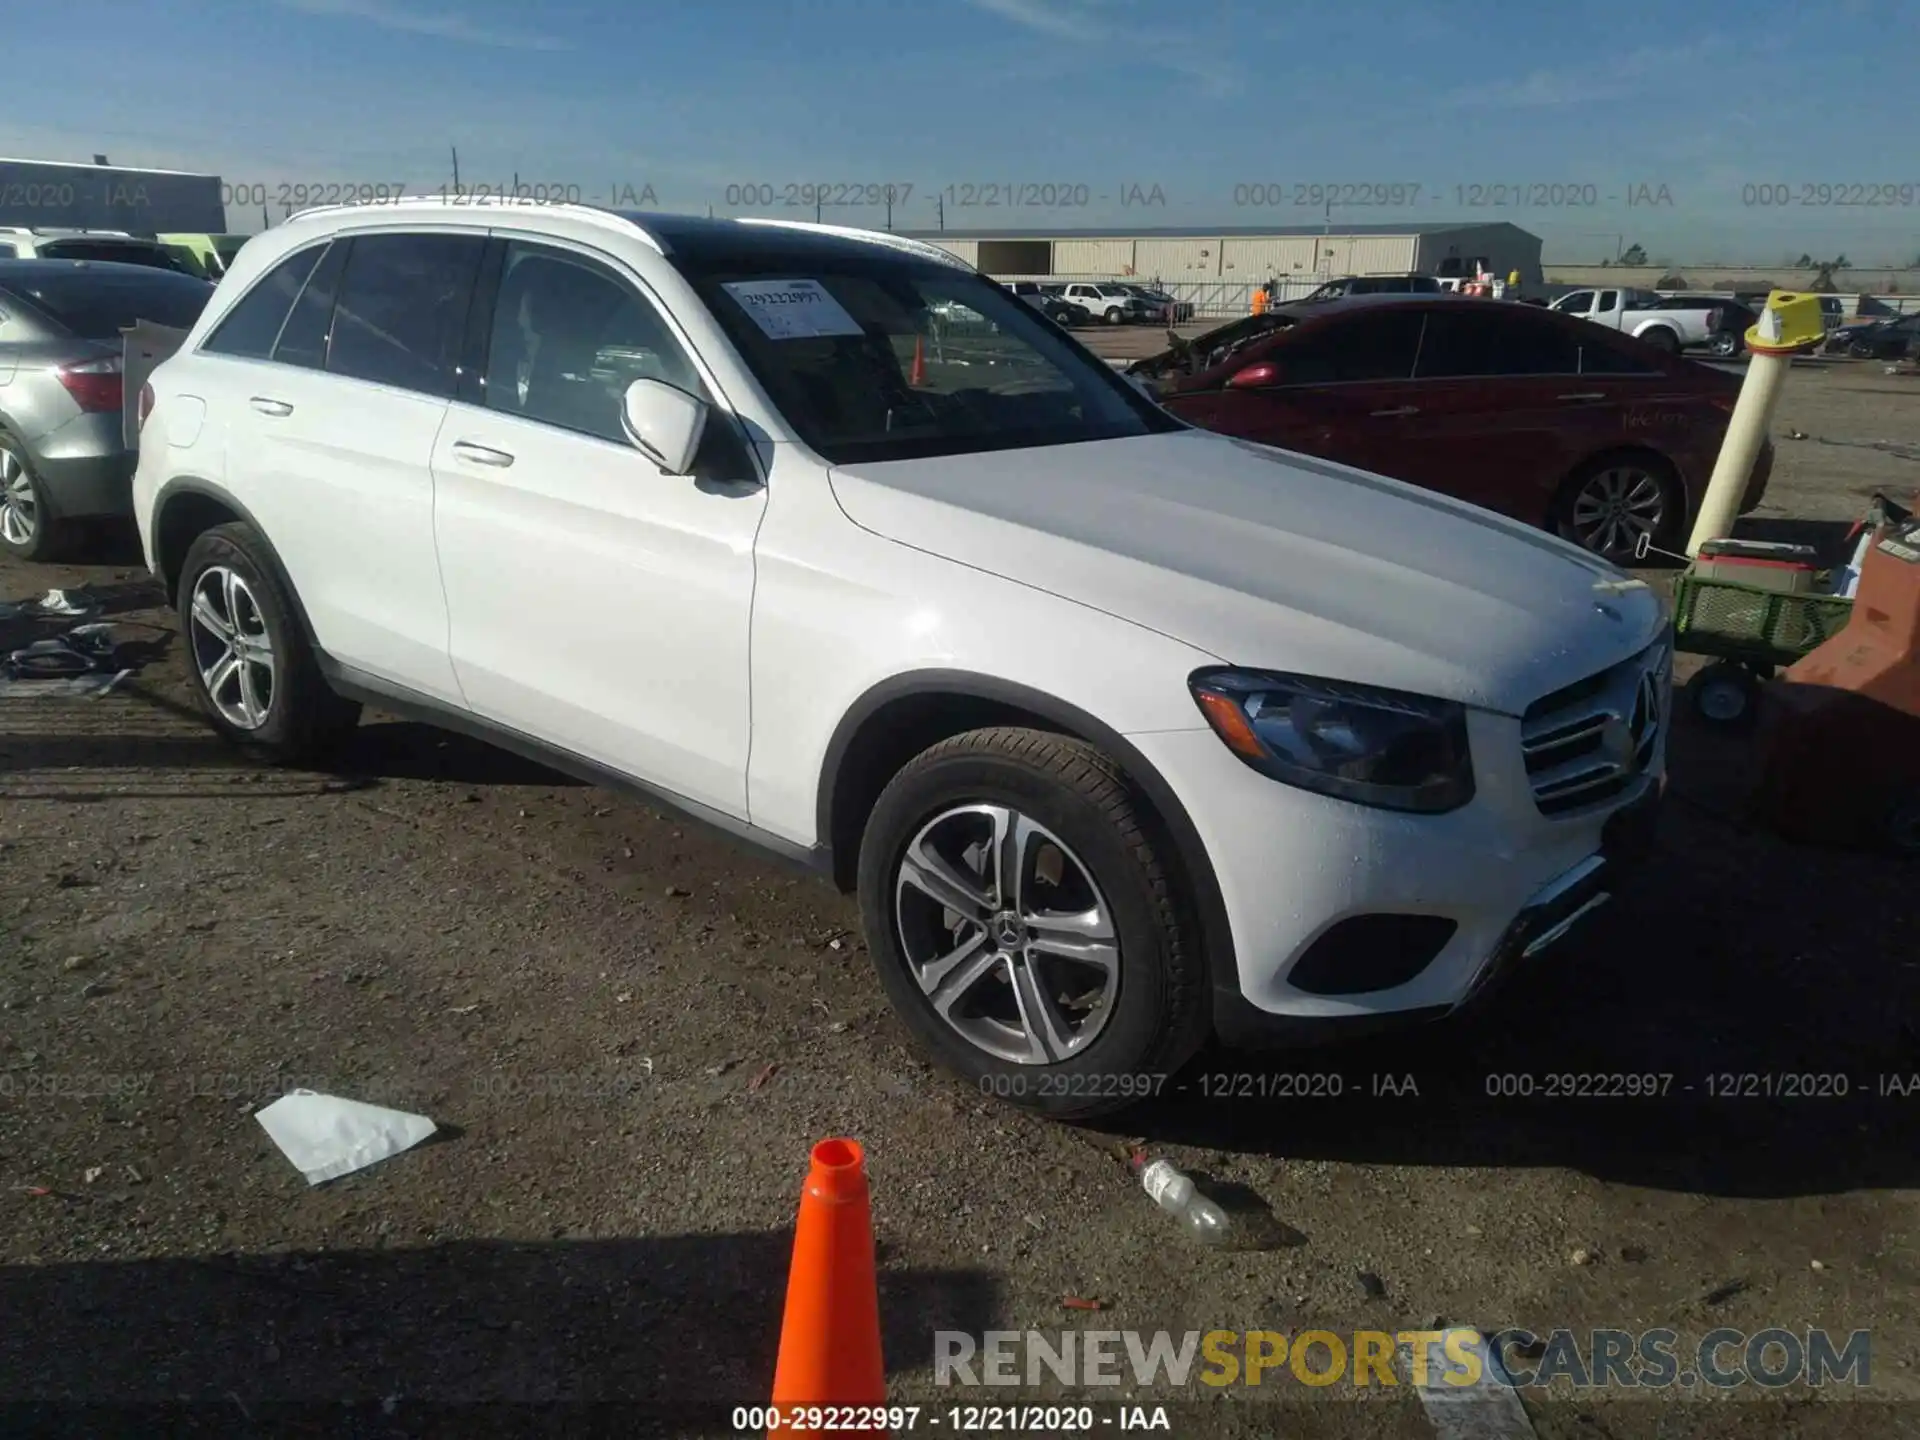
(793, 309)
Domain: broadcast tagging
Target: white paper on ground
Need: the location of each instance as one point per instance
(327, 1137)
(60, 602)
(792, 309)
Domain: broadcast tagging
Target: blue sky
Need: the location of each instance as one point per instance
(1201, 99)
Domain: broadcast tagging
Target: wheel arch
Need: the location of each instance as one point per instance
(901, 716)
(189, 506)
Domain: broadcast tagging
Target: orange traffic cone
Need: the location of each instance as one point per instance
(917, 376)
(830, 1336)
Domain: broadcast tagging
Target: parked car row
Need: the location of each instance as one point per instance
(1084, 302)
(205, 257)
(1125, 733)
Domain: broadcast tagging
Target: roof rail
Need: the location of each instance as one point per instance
(599, 214)
(921, 248)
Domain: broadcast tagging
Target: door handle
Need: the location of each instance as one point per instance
(270, 407)
(1585, 395)
(481, 454)
(1402, 410)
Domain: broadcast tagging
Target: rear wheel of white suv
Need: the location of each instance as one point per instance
(247, 658)
(1026, 924)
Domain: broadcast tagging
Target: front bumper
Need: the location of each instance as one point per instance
(1498, 877)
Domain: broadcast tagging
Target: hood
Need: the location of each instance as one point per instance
(1260, 557)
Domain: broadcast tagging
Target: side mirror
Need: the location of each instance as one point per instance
(664, 423)
(1255, 376)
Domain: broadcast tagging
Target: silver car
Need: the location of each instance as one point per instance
(63, 452)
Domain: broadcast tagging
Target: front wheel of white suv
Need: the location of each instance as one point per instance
(1026, 923)
(247, 659)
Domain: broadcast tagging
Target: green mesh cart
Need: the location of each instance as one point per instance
(1750, 632)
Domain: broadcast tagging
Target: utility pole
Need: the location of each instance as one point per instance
(889, 209)
(816, 205)
(456, 168)
(940, 209)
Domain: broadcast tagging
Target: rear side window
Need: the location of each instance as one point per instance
(1376, 346)
(1466, 343)
(9, 250)
(153, 256)
(402, 310)
(1610, 360)
(303, 339)
(250, 329)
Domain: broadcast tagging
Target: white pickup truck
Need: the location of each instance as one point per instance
(1635, 312)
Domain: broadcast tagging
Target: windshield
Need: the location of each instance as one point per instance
(882, 359)
(121, 252)
(99, 304)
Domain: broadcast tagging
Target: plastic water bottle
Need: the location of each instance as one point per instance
(1173, 1190)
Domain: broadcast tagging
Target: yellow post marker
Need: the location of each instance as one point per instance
(1790, 323)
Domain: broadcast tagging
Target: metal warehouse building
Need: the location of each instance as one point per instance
(53, 194)
(1245, 255)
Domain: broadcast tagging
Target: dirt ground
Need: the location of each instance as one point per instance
(630, 1033)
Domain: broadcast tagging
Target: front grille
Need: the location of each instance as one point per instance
(1590, 741)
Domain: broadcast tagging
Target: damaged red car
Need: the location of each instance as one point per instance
(1549, 419)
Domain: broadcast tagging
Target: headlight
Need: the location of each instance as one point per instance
(1373, 747)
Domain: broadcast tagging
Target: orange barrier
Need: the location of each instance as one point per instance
(917, 376)
(830, 1334)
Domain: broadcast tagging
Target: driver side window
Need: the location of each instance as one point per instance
(569, 336)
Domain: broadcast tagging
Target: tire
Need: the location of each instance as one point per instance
(1661, 338)
(1725, 343)
(1091, 846)
(28, 526)
(290, 718)
(1115, 315)
(1605, 505)
(1726, 695)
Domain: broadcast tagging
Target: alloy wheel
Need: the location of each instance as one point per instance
(231, 647)
(1616, 506)
(1007, 934)
(19, 509)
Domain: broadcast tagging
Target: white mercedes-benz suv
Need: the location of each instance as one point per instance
(1125, 733)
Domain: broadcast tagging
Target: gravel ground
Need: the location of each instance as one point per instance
(630, 1034)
